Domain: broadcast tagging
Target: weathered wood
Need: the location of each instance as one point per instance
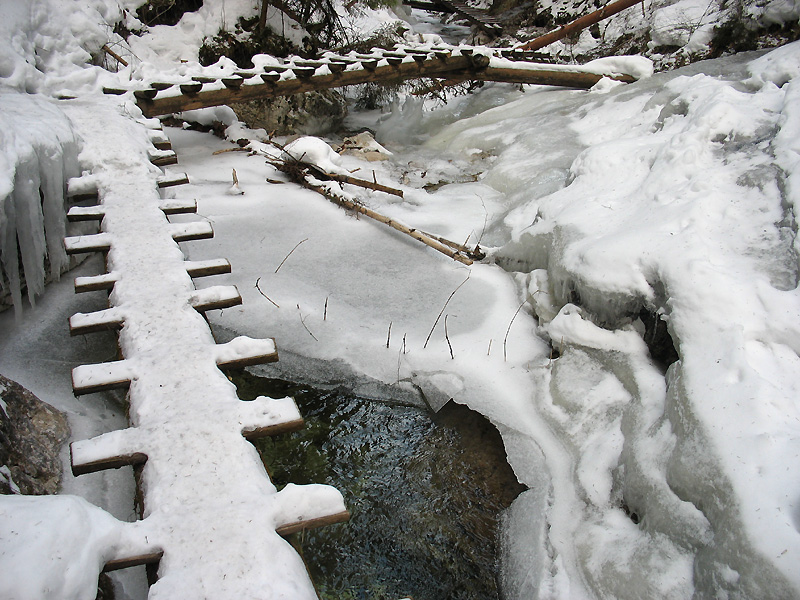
(215, 297)
(290, 528)
(172, 179)
(279, 428)
(106, 281)
(110, 319)
(78, 214)
(578, 24)
(178, 207)
(87, 379)
(414, 233)
(186, 232)
(205, 268)
(80, 244)
(94, 283)
(112, 462)
(370, 185)
(114, 55)
(561, 78)
(287, 87)
(164, 158)
(231, 357)
(133, 561)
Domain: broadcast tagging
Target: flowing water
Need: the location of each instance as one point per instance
(425, 493)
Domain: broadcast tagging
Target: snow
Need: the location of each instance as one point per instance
(674, 195)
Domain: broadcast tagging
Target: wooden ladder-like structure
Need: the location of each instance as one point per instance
(297, 75)
(194, 502)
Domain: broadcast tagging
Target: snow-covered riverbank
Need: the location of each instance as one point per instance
(674, 196)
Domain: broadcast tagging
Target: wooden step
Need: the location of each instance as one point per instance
(196, 230)
(215, 297)
(87, 379)
(81, 244)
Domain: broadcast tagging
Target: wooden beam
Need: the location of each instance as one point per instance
(133, 561)
(290, 528)
(555, 77)
(171, 179)
(178, 207)
(244, 352)
(112, 462)
(578, 24)
(109, 319)
(81, 244)
(195, 268)
(260, 432)
(287, 87)
(196, 230)
(87, 379)
(77, 214)
(215, 297)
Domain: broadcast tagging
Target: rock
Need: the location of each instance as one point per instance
(313, 113)
(31, 436)
(364, 146)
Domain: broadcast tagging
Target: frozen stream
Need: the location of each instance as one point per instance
(666, 195)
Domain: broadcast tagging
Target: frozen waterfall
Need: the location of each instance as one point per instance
(38, 153)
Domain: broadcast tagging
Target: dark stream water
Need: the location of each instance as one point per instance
(425, 493)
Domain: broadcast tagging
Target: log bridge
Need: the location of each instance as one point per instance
(212, 522)
(453, 64)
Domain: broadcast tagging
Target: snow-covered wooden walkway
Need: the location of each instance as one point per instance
(296, 75)
(212, 518)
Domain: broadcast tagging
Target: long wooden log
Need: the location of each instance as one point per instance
(288, 87)
(578, 24)
(414, 233)
(561, 78)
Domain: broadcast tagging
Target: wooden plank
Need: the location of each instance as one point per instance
(133, 561)
(87, 379)
(205, 268)
(244, 352)
(86, 213)
(196, 230)
(171, 179)
(290, 528)
(178, 207)
(112, 462)
(80, 244)
(215, 297)
(260, 432)
(109, 319)
(94, 283)
(164, 158)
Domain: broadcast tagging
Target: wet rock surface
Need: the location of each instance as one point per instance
(313, 113)
(31, 436)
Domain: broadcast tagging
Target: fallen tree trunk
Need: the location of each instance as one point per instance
(299, 172)
(578, 24)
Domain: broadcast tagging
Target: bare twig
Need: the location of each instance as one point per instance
(263, 294)
(505, 339)
(114, 55)
(224, 150)
(303, 322)
(447, 337)
(290, 253)
(389, 335)
(427, 339)
(489, 351)
(325, 310)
